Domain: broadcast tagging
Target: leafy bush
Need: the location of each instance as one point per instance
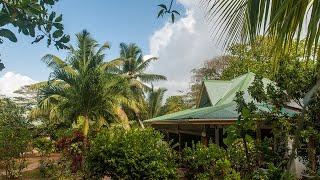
(238, 157)
(15, 136)
(46, 167)
(74, 148)
(207, 162)
(273, 172)
(45, 146)
(133, 154)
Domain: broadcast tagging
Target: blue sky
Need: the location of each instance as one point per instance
(180, 46)
(112, 21)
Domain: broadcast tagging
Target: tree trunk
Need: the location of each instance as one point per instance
(258, 141)
(296, 141)
(140, 123)
(312, 155)
(86, 125)
(246, 148)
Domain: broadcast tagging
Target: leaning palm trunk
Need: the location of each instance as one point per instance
(123, 118)
(140, 123)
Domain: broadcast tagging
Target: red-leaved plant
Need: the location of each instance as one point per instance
(74, 147)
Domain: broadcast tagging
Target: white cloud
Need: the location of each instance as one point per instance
(148, 56)
(11, 82)
(182, 46)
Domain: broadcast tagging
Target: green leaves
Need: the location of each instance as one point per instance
(8, 34)
(65, 39)
(34, 19)
(164, 7)
(176, 12)
(172, 17)
(131, 154)
(161, 12)
(167, 10)
(57, 33)
(1, 66)
(58, 19)
(284, 21)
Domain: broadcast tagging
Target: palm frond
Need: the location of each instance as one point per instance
(145, 64)
(284, 21)
(155, 99)
(53, 61)
(150, 77)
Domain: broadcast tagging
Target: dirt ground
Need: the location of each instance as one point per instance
(33, 162)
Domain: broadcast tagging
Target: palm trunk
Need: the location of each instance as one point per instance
(86, 125)
(140, 123)
(139, 120)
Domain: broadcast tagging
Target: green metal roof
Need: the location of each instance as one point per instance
(221, 95)
(224, 92)
(218, 112)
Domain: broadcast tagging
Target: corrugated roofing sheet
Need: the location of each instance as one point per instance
(221, 95)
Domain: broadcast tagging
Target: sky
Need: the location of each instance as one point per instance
(179, 46)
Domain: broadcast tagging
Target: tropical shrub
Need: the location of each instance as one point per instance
(132, 154)
(207, 162)
(15, 136)
(74, 148)
(238, 156)
(45, 147)
(273, 172)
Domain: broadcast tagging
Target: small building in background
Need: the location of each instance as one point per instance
(214, 112)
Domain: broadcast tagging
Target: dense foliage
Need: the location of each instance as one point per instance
(132, 154)
(33, 18)
(210, 162)
(74, 147)
(30, 17)
(133, 68)
(15, 135)
(296, 76)
(80, 89)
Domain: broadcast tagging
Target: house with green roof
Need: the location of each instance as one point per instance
(215, 110)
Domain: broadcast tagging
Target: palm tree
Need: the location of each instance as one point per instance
(80, 88)
(284, 21)
(133, 67)
(154, 101)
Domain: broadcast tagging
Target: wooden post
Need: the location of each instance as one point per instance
(258, 140)
(216, 135)
(179, 135)
(204, 135)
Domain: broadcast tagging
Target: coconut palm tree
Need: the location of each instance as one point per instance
(283, 21)
(80, 89)
(154, 101)
(133, 67)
